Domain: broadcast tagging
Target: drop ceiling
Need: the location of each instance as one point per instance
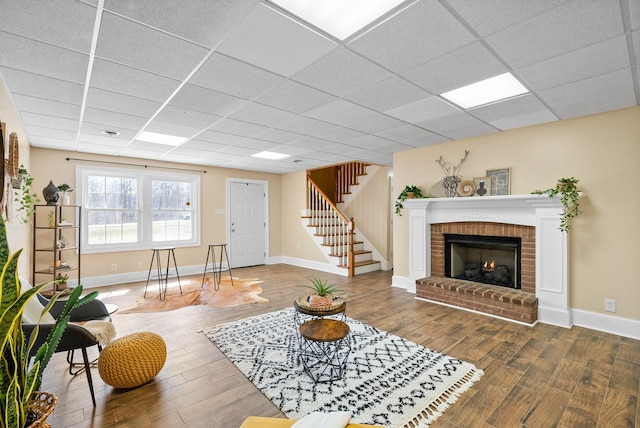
(244, 76)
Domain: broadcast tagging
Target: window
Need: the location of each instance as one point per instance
(128, 209)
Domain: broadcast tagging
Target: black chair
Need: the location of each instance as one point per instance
(75, 336)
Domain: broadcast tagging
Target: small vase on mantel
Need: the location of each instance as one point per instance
(450, 184)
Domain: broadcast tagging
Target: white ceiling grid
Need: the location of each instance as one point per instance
(239, 77)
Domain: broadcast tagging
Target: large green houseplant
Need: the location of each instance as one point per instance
(19, 379)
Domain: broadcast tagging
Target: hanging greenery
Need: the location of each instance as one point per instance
(567, 188)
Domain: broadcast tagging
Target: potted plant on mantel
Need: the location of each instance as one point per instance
(568, 189)
(409, 192)
(18, 381)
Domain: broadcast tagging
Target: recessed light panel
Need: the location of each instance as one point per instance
(340, 18)
(152, 137)
(487, 91)
(270, 155)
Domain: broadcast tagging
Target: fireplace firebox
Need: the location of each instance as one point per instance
(491, 260)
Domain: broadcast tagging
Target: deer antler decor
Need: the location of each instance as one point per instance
(451, 177)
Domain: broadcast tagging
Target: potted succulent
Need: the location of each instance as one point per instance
(65, 189)
(322, 293)
(409, 192)
(569, 197)
(20, 380)
(27, 197)
(61, 281)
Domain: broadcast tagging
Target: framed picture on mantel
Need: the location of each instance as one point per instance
(500, 181)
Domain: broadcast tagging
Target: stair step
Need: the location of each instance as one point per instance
(355, 253)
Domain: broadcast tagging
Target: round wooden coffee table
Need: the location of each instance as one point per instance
(325, 346)
(310, 313)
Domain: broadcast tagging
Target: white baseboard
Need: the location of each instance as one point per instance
(626, 327)
(309, 264)
(122, 278)
(404, 282)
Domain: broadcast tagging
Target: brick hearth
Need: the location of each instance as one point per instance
(519, 305)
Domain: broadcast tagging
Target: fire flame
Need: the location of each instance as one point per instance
(489, 265)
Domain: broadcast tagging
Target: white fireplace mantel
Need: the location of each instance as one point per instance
(539, 211)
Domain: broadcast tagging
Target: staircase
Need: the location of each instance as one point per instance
(337, 235)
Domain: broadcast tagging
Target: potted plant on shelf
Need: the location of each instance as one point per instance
(409, 192)
(17, 182)
(27, 197)
(322, 293)
(568, 189)
(61, 281)
(20, 381)
(65, 189)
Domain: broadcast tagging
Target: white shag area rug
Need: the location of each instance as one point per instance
(388, 381)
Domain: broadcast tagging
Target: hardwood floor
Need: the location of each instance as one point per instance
(543, 376)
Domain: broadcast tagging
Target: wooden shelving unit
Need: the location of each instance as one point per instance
(56, 245)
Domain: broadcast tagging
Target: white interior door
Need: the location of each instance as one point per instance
(247, 223)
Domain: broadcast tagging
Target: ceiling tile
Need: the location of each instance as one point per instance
(236, 127)
(49, 121)
(464, 66)
(571, 26)
(233, 77)
(114, 102)
(22, 82)
(427, 140)
(295, 97)
(309, 143)
(275, 42)
(136, 146)
(47, 107)
(146, 48)
(58, 22)
(304, 125)
(40, 58)
(601, 93)
(52, 143)
(376, 123)
(388, 94)
(490, 16)
(204, 146)
(400, 43)
(52, 133)
(96, 129)
(277, 136)
(260, 114)
(201, 21)
(460, 120)
(340, 134)
(340, 112)
(113, 120)
(526, 109)
(405, 133)
(205, 100)
(219, 137)
(237, 150)
(129, 81)
(167, 128)
(258, 145)
(341, 72)
(426, 109)
(584, 63)
(88, 140)
(183, 116)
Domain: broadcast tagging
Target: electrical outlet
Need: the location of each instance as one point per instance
(140, 265)
(609, 305)
(114, 267)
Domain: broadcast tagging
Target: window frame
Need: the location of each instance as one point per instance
(144, 207)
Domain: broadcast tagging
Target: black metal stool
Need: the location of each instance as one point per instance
(217, 270)
(163, 277)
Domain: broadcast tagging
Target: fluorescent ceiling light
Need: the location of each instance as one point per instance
(152, 137)
(487, 91)
(340, 18)
(270, 155)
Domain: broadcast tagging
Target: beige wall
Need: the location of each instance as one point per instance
(370, 210)
(602, 151)
(19, 234)
(51, 165)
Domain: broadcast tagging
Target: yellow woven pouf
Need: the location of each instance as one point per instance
(132, 360)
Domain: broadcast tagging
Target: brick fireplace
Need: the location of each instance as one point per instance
(532, 218)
